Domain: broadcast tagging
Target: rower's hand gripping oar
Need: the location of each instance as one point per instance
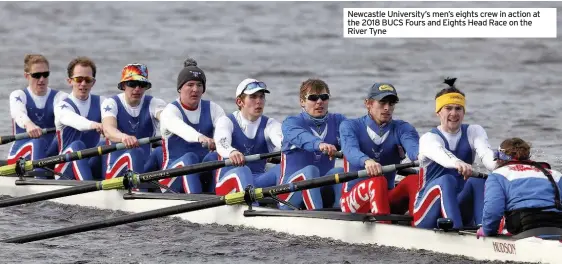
(130, 180)
(22, 165)
(25, 135)
(248, 196)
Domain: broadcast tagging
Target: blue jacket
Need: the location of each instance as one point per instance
(513, 187)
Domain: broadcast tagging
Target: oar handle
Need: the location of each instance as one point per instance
(142, 141)
(338, 154)
(477, 174)
(391, 167)
(11, 138)
(255, 157)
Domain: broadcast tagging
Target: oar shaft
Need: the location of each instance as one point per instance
(49, 195)
(87, 153)
(329, 179)
(206, 166)
(183, 208)
(11, 138)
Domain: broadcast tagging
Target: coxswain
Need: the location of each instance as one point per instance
(521, 194)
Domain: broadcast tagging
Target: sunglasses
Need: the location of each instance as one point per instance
(254, 85)
(134, 84)
(80, 79)
(38, 75)
(315, 97)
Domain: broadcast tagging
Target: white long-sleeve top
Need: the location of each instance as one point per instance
(18, 101)
(432, 147)
(225, 127)
(65, 115)
(171, 121)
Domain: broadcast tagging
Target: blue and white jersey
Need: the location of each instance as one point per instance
(180, 128)
(74, 118)
(439, 152)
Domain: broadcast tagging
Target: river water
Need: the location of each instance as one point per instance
(512, 86)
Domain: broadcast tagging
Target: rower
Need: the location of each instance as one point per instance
(32, 109)
(371, 141)
(246, 132)
(306, 137)
(446, 157)
(525, 191)
(187, 128)
(128, 116)
(77, 119)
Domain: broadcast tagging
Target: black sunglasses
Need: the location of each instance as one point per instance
(38, 75)
(134, 84)
(315, 97)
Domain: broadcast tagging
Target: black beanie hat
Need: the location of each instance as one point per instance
(191, 72)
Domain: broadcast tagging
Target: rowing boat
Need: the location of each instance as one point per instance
(350, 228)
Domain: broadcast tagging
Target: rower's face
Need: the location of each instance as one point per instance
(314, 105)
(38, 85)
(252, 104)
(381, 111)
(82, 81)
(451, 117)
(191, 92)
(134, 90)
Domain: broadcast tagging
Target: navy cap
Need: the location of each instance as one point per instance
(381, 90)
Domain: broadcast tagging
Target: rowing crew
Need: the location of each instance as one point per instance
(308, 140)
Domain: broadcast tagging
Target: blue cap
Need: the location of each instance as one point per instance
(381, 90)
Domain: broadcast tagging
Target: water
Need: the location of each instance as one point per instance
(511, 87)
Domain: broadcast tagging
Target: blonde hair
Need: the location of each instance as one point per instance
(31, 59)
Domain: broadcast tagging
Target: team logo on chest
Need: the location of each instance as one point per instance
(39, 116)
(377, 154)
(134, 125)
(248, 149)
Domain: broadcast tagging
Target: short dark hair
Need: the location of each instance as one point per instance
(451, 88)
(83, 61)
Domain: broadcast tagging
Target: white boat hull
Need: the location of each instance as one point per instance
(355, 232)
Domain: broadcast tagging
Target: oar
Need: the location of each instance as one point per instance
(82, 154)
(248, 196)
(11, 138)
(128, 181)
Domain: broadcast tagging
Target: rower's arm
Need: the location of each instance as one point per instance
(297, 135)
(432, 147)
(172, 121)
(410, 140)
(216, 113)
(66, 116)
(273, 134)
(223, 136)
(350, 144)
(156, 107)
(109, 120)
(17, 108)
(477, 135)
(494, 204)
